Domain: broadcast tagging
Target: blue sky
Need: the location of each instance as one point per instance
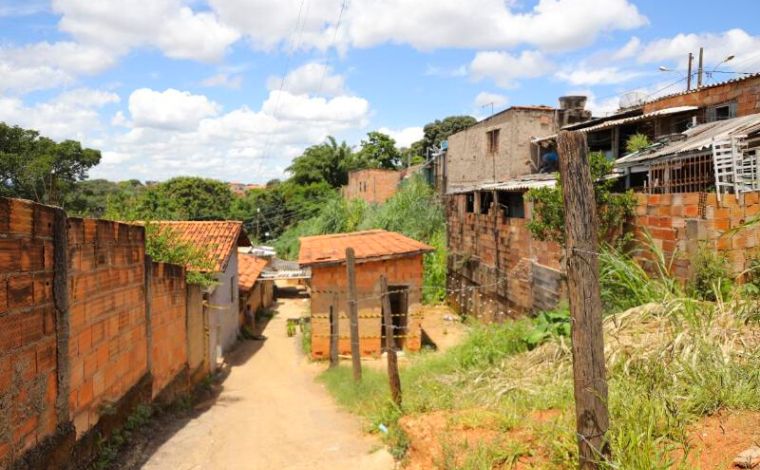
(234, 89)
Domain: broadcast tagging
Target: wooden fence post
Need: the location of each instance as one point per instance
(334, 331)
(390, 347)
(353, 309)
(590, 383)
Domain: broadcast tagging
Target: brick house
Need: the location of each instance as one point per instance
(495, 267)
(256, 293)
(221, 240)
(373, 185)
(378, 252)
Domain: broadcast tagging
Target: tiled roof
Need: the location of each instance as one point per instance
(220, 238)
(249, 270)
(369, 245)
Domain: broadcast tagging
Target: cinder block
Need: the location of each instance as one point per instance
(20, 291)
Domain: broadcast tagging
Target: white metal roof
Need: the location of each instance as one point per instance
(697, 138)
(643, 117)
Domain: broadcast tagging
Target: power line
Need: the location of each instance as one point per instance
(327, 51)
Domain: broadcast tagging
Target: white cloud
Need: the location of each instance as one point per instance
(404, 137)
(13, 8)
(628, 50)
(166, 24)
(225, 80)
(70, 115)
(170, 109)
(598, 106)
(485, 98)
(718, 46)
(580, 74)
(504, 68)
(311, 78)
(428, 24)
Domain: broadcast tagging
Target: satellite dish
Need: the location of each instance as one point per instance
(632, 99)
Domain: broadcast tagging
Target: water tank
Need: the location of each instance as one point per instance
(572, 102)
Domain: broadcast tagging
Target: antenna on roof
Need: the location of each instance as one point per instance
(488, 104)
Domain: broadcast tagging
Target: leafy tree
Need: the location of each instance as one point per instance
(439, 130)
(38, 168)
(96, 198)
(326, 162)
(637, 142)
(163, 245)
(377, 151)
(186, 198)
(548, 222)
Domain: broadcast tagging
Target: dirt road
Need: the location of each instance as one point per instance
(271, 415)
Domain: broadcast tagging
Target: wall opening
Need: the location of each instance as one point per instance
(486, 200)
(399, 297)
(512, 204)
(492, 139)
(470, 203)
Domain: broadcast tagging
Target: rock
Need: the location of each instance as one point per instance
(749, 458)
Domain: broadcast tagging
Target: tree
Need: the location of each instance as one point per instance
(377, 151)
(96, 198)
(38, 168)
(548, 221)
(438, 130)
(326, 162)
(190, 198)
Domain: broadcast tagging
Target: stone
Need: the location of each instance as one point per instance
(749, 458)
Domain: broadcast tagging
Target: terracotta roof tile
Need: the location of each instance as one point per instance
(249, 270)
(219, 237)
(368, 245)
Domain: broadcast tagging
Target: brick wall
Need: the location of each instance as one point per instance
(374, 186)
(28, 372)
(107, 346)
(168, 324)
(682, 224)
(74, 316)
(329, 286)
(495, 265)
(745, 92)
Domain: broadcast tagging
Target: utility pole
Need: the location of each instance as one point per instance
(589, 381)
(258, 222)
(390, 344)
(701, 67)
(688, 77)
(353, 309)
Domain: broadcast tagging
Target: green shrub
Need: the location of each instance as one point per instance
(711, 279)
(637, 142)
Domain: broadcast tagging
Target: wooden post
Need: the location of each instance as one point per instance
(390, 346)
(353, 309)
(334, 331)
(590, 383)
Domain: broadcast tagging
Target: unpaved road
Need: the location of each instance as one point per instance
(270, 415)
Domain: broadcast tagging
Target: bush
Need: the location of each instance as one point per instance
(711, 278)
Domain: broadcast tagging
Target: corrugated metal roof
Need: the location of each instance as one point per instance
(643, 117)
(368, 245)
(697, 138)
(522, 183)
(747, 76)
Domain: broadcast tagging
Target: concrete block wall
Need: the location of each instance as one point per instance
(28, 343)
(168, 311)
(107, 343)
(494, 262)
(329, 287)
(74, 316)
(745, 92)
(682, 224)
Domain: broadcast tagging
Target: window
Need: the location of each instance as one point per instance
(486, 200)
(512, 204)
(721, 112)
(492, 140)
(470, 202)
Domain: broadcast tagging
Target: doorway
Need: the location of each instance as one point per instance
(399, 299)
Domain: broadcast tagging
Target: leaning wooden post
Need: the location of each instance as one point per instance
(390, 346)
(353, 309)
(590, 383)
(334, 331)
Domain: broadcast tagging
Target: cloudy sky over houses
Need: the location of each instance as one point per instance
(234, 89)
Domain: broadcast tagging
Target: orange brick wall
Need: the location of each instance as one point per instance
(107, 346)
(261, 296)
(746, 93)
(681, 223)
(372, 185)
(329, 286)
(28, 380)
(495, 264)
(167, 320)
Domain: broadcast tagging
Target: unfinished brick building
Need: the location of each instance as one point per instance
(378, 252)
(373, 185)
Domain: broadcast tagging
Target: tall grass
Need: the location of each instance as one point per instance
(413, 211)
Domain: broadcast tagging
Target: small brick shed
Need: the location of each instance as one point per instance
(378, 252)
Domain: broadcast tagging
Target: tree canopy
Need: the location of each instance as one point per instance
(378, 150)
(327, 162)
(438, 130)
(38, 168)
